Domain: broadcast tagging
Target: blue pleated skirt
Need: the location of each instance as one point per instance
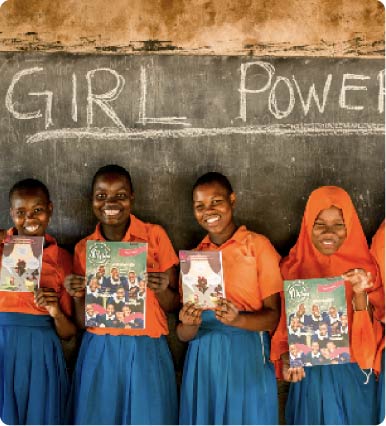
(124, 380)
(33, 378)
(381, 391)
(333, 394)
(228, 378)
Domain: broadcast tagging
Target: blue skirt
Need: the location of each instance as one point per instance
(381, 391)
(333, 394)
(228, 378)
(34, 384)
(124, 380)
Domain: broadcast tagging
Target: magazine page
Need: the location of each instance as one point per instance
(202, 277)
(116, 288)
(317, 324)
(21, 263)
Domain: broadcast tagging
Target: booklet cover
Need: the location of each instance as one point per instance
(116, 288)
(317, 323)
(202, 277)
(21, 263)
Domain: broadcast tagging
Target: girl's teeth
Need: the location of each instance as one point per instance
(212, 219)
(111, 212)
(31, 228)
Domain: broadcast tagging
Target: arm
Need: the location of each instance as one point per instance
(165, 287)
(49, 299)
(265, 319)
(190, 318)
(76, 288)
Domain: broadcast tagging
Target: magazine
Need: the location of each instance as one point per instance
(116, 287)
(317, 323)
(202, 277)
(21, 263)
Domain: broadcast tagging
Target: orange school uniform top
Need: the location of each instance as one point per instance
(160, 258)
(378, 251)
(56, 265)
(305, 261)
(250, 267)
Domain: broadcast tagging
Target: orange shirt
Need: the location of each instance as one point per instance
(250, 267)
(378, 251)
(305, 261)
(56, 264)
(160, 258)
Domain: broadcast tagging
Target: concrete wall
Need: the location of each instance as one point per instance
(259, 27)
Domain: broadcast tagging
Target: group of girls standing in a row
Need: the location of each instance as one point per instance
(235, 352)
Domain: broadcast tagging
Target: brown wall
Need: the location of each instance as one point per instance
(259, 27)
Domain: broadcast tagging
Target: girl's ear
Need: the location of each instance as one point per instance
(232, 199)
(50, 208)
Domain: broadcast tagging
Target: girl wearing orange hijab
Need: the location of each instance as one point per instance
(332, 243)
(378, 251)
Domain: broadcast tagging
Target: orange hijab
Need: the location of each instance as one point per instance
(378, 249)
(305, 261)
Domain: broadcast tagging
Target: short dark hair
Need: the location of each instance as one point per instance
(28, 184)
(212, 177)
(112, 168)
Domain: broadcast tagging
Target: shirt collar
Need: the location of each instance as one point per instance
(238, 237)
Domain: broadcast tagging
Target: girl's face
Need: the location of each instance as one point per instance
(213, 210)
(112, 199)
(329, 231)
(31, 212)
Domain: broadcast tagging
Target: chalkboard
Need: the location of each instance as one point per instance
(277, 127)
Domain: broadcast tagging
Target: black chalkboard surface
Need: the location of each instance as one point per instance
(277, 127)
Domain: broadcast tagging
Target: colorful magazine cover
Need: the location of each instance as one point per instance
(116, 287)
(202, 277)
(317, 324)
(21, 263)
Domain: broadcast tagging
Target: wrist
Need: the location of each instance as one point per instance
(57, 315)
(360, 301)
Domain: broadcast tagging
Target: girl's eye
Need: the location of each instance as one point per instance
(20, 213)
(38, 210)
(100, 196)
(199, 207)
(121, 196)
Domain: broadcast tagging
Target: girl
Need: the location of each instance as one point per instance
(331, 243)
(228, 378)
(34, 382)
(378, 251)
(126, 375)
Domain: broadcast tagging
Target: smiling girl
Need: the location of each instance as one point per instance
(331, 243)
(33, 377)
(228, 378)
(126, 375)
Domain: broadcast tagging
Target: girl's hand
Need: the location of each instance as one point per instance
(360, 280)
(226, 311)
(49, 299)
(75, 285)
(157, 281)
(3, 234)
(190, 314)
(294, 374)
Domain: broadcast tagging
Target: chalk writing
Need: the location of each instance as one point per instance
(259, 85)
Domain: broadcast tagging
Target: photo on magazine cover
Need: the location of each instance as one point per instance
(202, 277)
(116, 287)
(317, 324)
(21, 263)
